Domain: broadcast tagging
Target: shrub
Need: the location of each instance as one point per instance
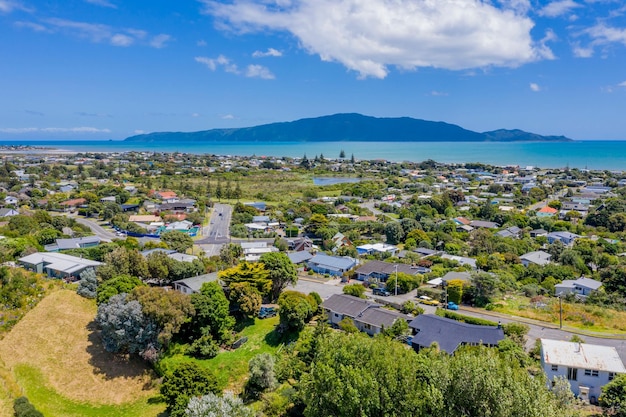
(356, 290)
(465, 319)
(23, 408)
(204, 348)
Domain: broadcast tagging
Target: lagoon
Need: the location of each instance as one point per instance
(591, 154)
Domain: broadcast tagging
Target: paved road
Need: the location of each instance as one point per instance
(537, 331)
(96, 228)
(218, 230)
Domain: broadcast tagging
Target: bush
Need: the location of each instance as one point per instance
(356, 290)
(465, 319)
(204, 348)
(23, 408)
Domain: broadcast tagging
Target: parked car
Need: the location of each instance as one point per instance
(381, 291)
(424, 299)
(267, 312)
(452, 306)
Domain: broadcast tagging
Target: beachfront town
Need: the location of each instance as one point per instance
(525, 264)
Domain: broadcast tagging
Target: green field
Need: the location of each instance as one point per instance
(231, 367)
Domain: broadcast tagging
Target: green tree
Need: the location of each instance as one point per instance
(246, 297)
(399, 328)
(394, 233)
(88, 285)
(261, 373)
(613, 396)
(281, 271)
(23, 408)
(295, 310)
(211, 308)
(212, 405)
(455, 290)
(254, 273)
(355, 290)
(177, 240)
(347, 325)
(187, 380)
(118, 285)
(168, 309)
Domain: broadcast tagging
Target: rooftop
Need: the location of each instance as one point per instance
(581, 355)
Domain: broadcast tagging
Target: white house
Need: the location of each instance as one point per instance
(537, 257)
(582, 286)
(587, 367)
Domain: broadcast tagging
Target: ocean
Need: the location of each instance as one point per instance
(589, 154)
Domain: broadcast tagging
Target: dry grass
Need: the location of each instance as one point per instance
(582, 316)
(57, 339)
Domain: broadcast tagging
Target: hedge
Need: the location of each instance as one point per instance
(465, 319)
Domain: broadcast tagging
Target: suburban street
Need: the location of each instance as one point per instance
(98, 230)
(218, 231)
(537, 330)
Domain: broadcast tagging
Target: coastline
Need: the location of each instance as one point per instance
(595, 155)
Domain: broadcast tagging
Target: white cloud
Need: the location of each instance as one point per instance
(220, 61)
(602, 34)
(201, 43)
(82, 129)
(195, 114)
(369, 36)
(259, 71)
(8, 6)
(535, 87)
(160, 40)
(102, 3)
(269, 52)
(122, 40)
(558, 8)
(86, 114)
(98, 33)
(438, 94)
(35, 27)
(227, 117)
(622, 84)
(581, 52)
(139, 132)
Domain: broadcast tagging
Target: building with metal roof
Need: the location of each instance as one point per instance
(331, 265)
(193, 284)
(57, 265)
(451, 334)
(587, 367)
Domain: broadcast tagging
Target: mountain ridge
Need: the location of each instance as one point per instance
(350, 127)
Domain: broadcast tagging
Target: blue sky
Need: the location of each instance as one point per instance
(100, 69)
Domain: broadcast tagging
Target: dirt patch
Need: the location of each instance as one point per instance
(58, 338)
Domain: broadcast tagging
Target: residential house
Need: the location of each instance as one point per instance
(10, 200)
(8, 212)
(340, 240)
(367, 316)
(300, 244)
(587, 367)
(299, 258)
(547, 211)
(74, 243)
(192, 285)
(379, 271)
(109, 199)
(512, 231)
(172, 254)
(332, 265)
(57, 265)
(567, 238)
(71, 205)
(376, 248)
(484, 224)
(453, 275)
(537, 258)
(538, 232)
(462, 260)
(581, 287)
(166, 196)
(252, 251)
(451, 334)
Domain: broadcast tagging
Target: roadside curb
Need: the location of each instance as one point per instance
(525, 320)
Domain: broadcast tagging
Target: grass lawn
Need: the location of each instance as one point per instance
(56, 359)
(231, 367)
(581, 316)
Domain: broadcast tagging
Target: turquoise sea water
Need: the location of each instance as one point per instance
(610, 155)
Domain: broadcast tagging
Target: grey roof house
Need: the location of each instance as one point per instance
(332, 265)
(581, 287)
(451, 334)
(367, 316)
(193, 284)
(57, 265)
(537, 258)
(375, 271)
(75, 243)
